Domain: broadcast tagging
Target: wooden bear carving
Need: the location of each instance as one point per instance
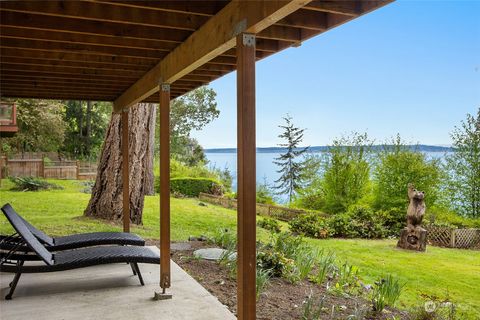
(416, 208)
(414, 237)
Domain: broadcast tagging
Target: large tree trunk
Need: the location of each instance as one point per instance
(106, 199)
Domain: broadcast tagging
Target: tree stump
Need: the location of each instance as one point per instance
(413, 239)
(106, 199)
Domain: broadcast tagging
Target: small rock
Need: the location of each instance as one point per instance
(214, 254)
(201, 238)
(202, 204)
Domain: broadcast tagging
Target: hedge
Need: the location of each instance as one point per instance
(191, 187)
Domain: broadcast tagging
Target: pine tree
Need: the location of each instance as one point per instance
(290, 168)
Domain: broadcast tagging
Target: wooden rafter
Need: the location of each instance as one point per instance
(108, 12)
(216, 36)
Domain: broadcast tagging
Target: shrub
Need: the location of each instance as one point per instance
(261, 281)
(394, 220)
(275, 262)
(287, 243)
(269, 224)
(264, 194)
(347, 277)
(191, 187)
(279, 255)
(358, 222)
(310, 225)
(386, 292)
(325, 265)
(224, 238)
(305, 261)
(445, 217)
(310, 198)
(180, 170)
(31, 184)
(312, 308)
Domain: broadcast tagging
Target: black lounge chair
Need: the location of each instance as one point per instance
(67, 260)
(72, 241)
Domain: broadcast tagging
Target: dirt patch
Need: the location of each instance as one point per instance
(281, 299)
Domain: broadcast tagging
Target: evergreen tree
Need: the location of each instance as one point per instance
(464, 167)
(291, 169)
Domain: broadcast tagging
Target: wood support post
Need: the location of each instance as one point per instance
(164, 186)
(246, 171)
(125, 172)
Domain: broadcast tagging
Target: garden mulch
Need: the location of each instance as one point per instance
(281, 299)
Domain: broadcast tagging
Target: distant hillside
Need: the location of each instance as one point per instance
(420, 147)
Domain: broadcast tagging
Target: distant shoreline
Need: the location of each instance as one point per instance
(420, 147)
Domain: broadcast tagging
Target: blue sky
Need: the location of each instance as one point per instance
(412, 67)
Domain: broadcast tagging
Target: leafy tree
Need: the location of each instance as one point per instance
(86, 126)
(190, 112)
(310, 196)
(398, 166)
(41, 126)
(464, 167)
(291, 169)
(346, 172)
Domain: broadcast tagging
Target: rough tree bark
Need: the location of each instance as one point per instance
(106, 199)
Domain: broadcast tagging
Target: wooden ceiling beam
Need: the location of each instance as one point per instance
(88, 57)
(57, 96)
(213, 38)
(216, 67)
(86, 39)
(80, 48)
(363, 6)
(345, 7)
(127, 75)
(191, 83)
(36, 74)
(77, 64)
(84, 92)
(283, 33)
(204, 8)
(31, 21)
(305, 19)
(55, 82)
(89, 90)
(107, 12)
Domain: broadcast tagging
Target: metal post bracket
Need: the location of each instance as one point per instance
(248, 40)
(165, 87)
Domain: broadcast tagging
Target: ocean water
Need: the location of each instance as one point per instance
(266, 169)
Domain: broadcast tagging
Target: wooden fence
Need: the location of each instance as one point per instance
(39, 168)
(453, 238)
(277, 212)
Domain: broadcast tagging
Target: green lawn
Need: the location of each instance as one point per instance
(60, 212)
(438, 271)
(434, 272)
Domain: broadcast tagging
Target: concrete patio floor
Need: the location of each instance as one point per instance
(108, 292)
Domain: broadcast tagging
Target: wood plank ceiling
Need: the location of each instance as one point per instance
(95, 50)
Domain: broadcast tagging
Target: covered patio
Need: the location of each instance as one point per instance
(109, 292)
(128, 52)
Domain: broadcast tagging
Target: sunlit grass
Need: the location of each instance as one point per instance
(440, 272)
(60, 212)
